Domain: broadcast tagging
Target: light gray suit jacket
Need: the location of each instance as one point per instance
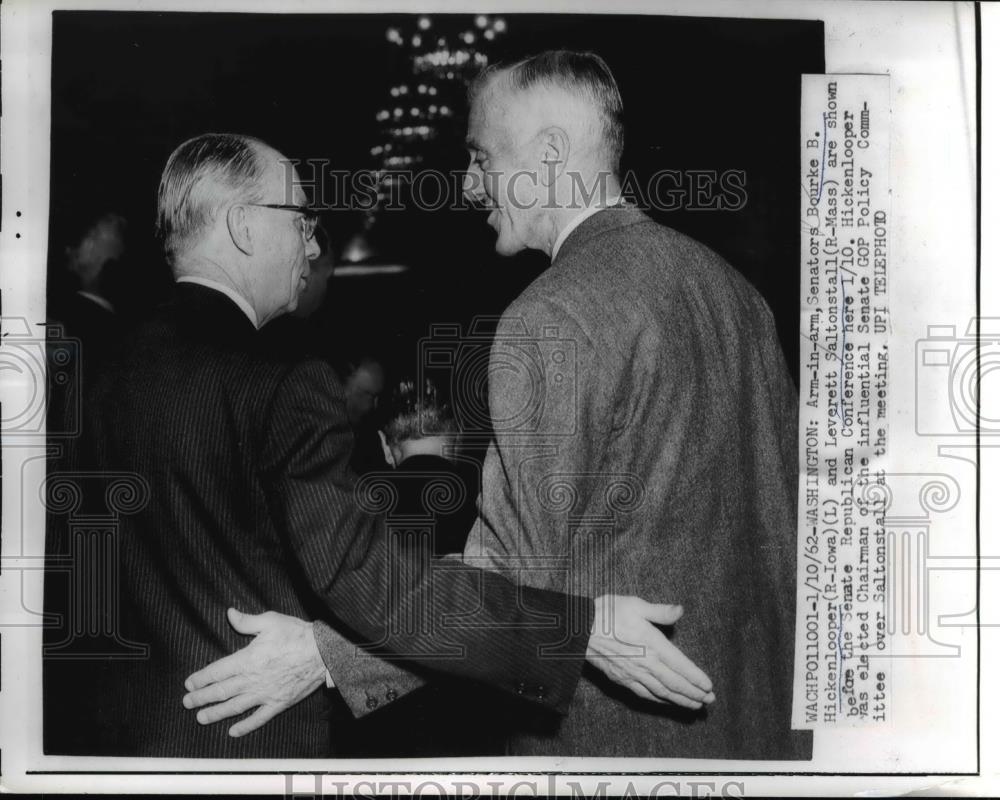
(646, 444)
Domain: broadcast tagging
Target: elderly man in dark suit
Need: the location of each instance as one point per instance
(645, 425)
(251, 504)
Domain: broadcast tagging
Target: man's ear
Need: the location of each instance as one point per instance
(238, 222)
(388, 452)
(555, 153)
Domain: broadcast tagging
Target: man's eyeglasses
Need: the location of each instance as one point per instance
(309, 217)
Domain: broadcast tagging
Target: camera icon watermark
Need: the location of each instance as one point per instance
(41, 371)
(511, 382)
(921, 588)
(950, 372)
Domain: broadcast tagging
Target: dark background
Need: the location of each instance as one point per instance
(699, 94)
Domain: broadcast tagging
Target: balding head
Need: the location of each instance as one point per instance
(575, 91)
(231, 211)
(202, 177)
(545, 140)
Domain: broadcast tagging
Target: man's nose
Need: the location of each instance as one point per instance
(312, 249)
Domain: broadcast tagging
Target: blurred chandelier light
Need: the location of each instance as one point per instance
(368, 270)
(359, 259)
(436, 58)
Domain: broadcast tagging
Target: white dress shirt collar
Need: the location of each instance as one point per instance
(228, 291)
(578, 220)
(103, 302)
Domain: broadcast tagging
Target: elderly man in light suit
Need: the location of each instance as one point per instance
(683, 407)
(668, 469)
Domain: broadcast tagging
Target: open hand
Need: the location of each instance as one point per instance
(627, 647)
(280, 667)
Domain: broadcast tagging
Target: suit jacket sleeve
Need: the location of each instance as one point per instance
(550, 390)
(439, 615)
(365, 681)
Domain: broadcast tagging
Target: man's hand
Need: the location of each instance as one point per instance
(626, 646)
(280, 667)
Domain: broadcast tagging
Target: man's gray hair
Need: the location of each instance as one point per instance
(202, 175)
(585, 75)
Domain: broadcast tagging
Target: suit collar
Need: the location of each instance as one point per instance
(577, 221)
(241, 302)
(211, 310)
(607, 219)
(101, 302)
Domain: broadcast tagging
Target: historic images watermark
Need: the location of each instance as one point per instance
(844, 582)
(320, 785)
(333, 189)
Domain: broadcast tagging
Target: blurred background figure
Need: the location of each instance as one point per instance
(364, 384)
(313, 297)
(85, 323)
(363, 377)
(85, 306)
(312, 329)
(421, 440)
(305, 330)
(437, 487)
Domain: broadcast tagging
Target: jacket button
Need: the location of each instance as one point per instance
(371, 703)
(391, 695)
(520, 688)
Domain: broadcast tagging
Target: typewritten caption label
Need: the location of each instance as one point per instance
(842, 642)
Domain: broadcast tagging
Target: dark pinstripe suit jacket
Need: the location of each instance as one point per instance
(251, 505)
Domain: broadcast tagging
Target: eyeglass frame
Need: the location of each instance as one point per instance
(310, 217)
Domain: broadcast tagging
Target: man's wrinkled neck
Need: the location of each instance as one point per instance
(581, 199)
(424, 446)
